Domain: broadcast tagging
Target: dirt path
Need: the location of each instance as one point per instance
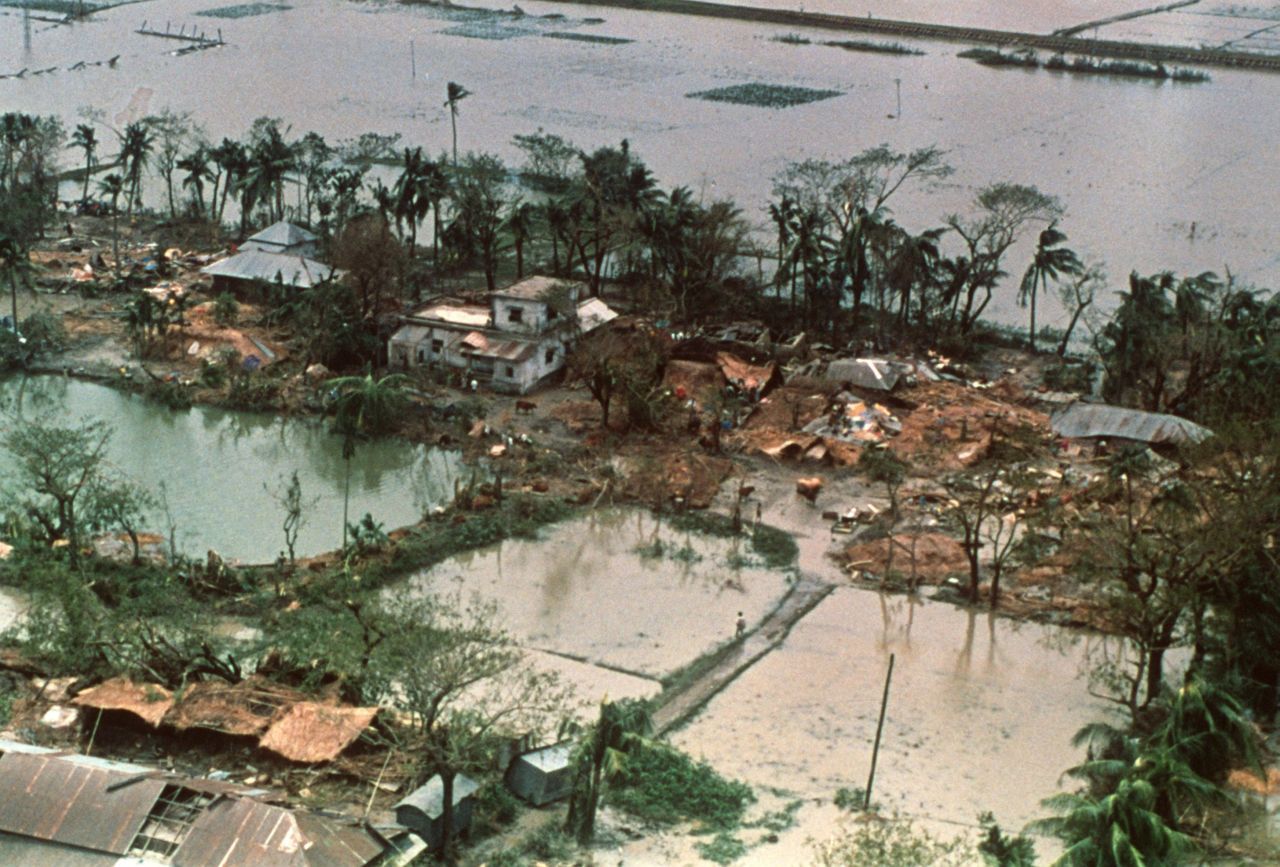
(685, 700)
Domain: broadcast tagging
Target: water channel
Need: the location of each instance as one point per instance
(216, 467)
(1135, 163)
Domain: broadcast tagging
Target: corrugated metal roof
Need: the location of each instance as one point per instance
(29, 852)
(297, 271)
(870, 373)
(477, 343)
(551, 758)
(593, 313)
(246, 833)
(313, 732)
(73, 803)
(428, 799)
(280, 234)
(1096, 420)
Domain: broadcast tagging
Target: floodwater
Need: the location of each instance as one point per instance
(592, 589)
(980, 716)
(1136, 163)
(216, 466)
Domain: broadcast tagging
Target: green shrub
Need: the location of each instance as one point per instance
(44, 332)
(664, 786)
(226, 309)
(722, 849)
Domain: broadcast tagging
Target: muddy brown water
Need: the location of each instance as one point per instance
(1136, 163)
(588, 589)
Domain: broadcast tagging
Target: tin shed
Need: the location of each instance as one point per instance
(422, 809)
(542, 776)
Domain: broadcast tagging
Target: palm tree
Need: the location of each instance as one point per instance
(135, 149)
(196, 165)
(456, 93)
(783, 214)
(913, 264)
(1120, 829)
(15, 262)
(365, 406)
(113, 185)
(621, 727)
(520, 226)
(231, 161)
(87, 140)
(1051, 261)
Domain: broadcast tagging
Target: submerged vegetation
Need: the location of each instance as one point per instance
(764, 95)
(1085, 65)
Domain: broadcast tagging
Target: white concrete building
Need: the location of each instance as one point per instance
(512, 344)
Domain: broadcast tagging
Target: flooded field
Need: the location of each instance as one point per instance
(981, 711)
(594, 589)
(1135, 162)
(216, 466)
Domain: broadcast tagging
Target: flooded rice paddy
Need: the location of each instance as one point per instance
(597, 589)
(216, 467)
(1136, 163)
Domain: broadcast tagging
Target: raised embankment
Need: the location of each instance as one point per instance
(950, 33)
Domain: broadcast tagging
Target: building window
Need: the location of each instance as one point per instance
(551, 356)
(515, 314)
(437, 346)
(422, 355)
(511, 372)
(551, 313)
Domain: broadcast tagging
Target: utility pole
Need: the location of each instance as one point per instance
(898, 84)
(875, 751)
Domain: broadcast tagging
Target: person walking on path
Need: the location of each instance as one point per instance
(741, 626)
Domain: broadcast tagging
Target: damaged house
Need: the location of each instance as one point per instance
(515, 342)
(75, 811)
(280, 254)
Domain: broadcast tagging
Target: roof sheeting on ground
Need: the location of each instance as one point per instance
(311, 732)
(593, 313)
(872, 373)
(242, 831)
(245, 708)
(749, 376)
(1100, 421)
(145, 700)
(49, 797)
(297, 271)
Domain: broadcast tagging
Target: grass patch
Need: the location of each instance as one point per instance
(791, 39)
(850, 799)
(777, 821)
(776, 548)
(764, 95)
(992, 57)
(874, 47)
(722, 849)
(518, 517)
(547, 843)
(665, 787)
(244, 10)
(495, 30)
(587, 37)
(1132, 69)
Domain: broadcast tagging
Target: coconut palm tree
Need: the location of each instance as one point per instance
(621, 727)
(912, 265)
(113, 186)
(86, 139)
(366, 406)
(782, 213)
(456, 93)
(136, 144)
(519, 224)
(1051, 262)
(15, 263)
(196, 165)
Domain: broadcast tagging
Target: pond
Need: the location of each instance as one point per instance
(216, 469)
